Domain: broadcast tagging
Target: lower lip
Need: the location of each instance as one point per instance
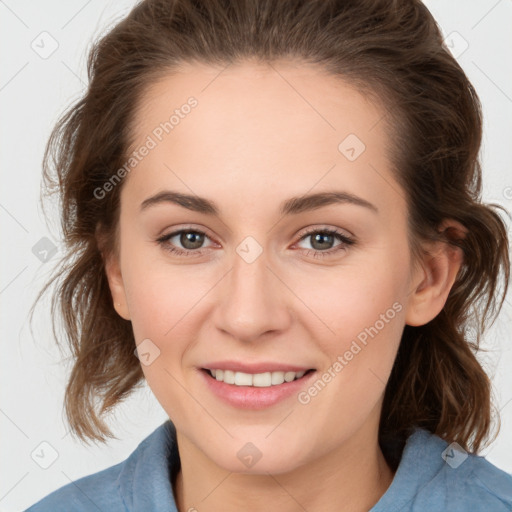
(251, 397)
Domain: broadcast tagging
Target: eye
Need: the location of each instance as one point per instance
(190, 239)
(322, 240)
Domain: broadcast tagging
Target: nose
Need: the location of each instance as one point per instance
(255, 302)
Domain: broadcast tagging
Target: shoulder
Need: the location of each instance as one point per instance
(129, 485)
(484, 484)
(93, 492)
(436, 475)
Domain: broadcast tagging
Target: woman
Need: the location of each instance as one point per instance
(275, 206)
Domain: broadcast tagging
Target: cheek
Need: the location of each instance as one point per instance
(367, 293)
(168, 304)
(359, 311)
(364, 311)
(162, 300)
(164, 304)
(150, 301)
(159, 293)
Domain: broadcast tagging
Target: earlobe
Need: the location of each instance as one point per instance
(436, 277)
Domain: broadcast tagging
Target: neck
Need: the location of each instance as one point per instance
(352, 478)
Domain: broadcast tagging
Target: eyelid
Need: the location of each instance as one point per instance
(302, 234)
(346, 241)
(186, 227)
(314, 228)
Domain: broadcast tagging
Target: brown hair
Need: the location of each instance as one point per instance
(390, 49)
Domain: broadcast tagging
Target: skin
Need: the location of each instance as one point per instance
(259, 136)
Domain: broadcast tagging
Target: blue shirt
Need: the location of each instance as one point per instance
(424, 481)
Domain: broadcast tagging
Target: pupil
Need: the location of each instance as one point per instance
(320, 237)
(188, 238)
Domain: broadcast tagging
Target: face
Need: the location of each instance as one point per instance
(241, 278)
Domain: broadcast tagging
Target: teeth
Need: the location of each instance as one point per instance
(289, 376)
(277, 378)
(229, 377)
(260, 380)
(243, 379)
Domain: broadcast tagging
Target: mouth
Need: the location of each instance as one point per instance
(255, 385)
(257, 380)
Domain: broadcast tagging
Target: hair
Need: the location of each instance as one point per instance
(391, 50)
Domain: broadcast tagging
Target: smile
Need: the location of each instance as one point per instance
(255, 391)
(261, 380)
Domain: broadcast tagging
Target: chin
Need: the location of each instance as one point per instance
(268, 463)
(259, 456)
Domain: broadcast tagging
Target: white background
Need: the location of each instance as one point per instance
(33, 93)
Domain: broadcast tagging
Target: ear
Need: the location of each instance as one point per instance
(433, 281)
(115, 278)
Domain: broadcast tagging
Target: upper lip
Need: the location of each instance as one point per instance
(262, 367)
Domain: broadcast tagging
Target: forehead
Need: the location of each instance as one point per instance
(262, 98)
(261, 128)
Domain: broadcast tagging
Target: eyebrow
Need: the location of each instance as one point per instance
(291, 206)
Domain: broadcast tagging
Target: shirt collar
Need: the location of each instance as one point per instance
(144, 483)
(421, 461)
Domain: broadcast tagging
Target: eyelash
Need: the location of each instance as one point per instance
(344, 239)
